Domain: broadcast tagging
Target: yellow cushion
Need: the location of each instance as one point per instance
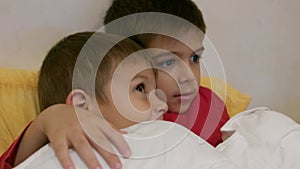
(18, 103)
(235, 100)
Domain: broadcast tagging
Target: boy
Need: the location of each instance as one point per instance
(77, 56)
(205, 119)
(180, 33)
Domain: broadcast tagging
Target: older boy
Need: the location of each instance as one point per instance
(181, 34)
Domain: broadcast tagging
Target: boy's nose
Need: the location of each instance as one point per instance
(158, 102)
(185, 77)
(184, 73)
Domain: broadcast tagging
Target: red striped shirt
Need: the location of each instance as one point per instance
(205, 117)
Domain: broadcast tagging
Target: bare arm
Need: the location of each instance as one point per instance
(32, 140)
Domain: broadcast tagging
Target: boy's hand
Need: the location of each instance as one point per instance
(61, 125)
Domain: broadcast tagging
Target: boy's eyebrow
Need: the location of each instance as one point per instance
(200, 50)
(140, 76)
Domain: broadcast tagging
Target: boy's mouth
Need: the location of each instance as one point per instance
(185, 96)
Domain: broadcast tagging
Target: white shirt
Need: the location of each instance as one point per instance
(157, 144)
(263, 139)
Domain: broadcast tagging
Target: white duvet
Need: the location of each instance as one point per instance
(262, 139)
(154, 145)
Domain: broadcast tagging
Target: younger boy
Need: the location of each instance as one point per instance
(76, 56)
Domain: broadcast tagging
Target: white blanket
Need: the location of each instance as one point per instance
(155, 145)
(263, 139)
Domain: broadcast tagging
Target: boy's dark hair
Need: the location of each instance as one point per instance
(185, 9)
(55, 78)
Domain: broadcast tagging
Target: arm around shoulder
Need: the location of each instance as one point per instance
(8, 158)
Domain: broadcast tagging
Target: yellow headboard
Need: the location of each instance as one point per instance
(18, 103)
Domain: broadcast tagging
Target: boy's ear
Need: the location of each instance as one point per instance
(78, 98)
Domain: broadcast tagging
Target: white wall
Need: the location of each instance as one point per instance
(258, 41)
(30, 28)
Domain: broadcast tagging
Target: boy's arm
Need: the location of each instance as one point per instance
(32, 140)
(8, 157)
(60, 125)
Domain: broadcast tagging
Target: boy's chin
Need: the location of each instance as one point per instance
(181, 109)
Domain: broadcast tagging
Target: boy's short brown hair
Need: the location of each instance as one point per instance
(55, 78)
(184, 9)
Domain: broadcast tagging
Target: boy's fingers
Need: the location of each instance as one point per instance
(105, 136)
(111, 158)
(84, 150)
(115, 137)
(61, 150)
(121, 145)
(99, 140)
(104, 147)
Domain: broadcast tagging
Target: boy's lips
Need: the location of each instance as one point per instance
(185, 96)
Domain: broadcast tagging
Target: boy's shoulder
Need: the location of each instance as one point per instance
(210, 100)
(207, 94)
(205, 91)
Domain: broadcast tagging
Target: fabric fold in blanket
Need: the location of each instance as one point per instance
(262, 139)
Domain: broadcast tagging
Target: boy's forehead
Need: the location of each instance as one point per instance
(181, 45)
(193, 38)
(133, 64)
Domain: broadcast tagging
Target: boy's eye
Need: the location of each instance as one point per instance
(168, 63)
(140, 88)
(195, 58)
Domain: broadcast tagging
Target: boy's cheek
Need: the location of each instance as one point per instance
(164, 78)
(197, 74)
